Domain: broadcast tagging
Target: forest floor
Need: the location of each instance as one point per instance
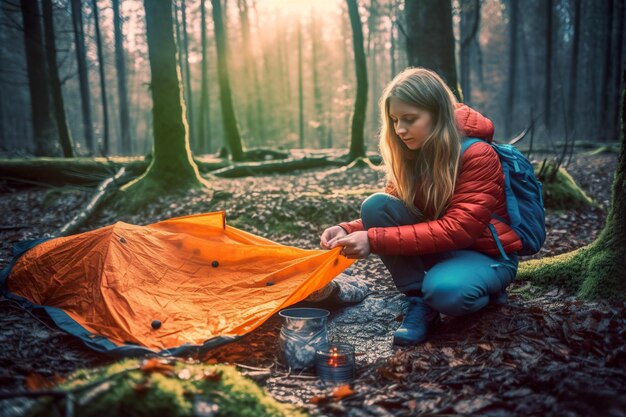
(546, 353)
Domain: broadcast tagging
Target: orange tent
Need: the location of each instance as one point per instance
(184, 283)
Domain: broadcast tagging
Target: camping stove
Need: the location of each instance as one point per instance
(335, 363)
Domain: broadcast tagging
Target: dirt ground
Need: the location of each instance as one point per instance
(546, 353)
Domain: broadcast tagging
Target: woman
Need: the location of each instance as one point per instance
(430, 226)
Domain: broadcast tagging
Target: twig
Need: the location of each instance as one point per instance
(253, 368)
(101, 195)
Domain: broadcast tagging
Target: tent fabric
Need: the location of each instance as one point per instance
(185, 283)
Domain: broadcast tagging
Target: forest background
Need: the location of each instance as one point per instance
(556, 62)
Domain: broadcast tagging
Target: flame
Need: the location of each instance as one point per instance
(336, 359)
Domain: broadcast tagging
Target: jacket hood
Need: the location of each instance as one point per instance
(473, 124)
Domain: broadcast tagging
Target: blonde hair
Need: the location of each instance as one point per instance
(435, 164)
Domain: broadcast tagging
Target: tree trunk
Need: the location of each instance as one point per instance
(372, 73)
(65, 136)
(83, 74)
(619, 41)
(43, 125)
(172, 167)
(106, 139)
(430, 41)
(300, 88)
(357, 142)
(231, 131)
(317, 90)
(548, 66)
(120, 64)
(193, 139)
(204, 121)
(470, 22)
(260, 117)
(510, 97)
(246, 74)
(573, 76)
(392, 48)
(598, 270)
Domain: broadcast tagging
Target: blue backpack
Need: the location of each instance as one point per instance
(524, 200)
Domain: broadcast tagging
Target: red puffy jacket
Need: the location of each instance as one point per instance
(479, 193)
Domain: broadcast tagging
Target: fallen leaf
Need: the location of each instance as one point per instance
(35, 381)
(212, 376)
(156, 365)
(342, 392)
(319, 399)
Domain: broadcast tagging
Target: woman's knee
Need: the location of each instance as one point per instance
(382, 210)
(453, 298)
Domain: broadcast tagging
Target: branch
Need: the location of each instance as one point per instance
(104, 191)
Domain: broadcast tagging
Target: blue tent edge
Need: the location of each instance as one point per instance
(93, 341)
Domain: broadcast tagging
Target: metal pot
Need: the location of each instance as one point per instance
(302, 334)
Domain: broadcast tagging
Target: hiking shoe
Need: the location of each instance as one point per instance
(352, 290)
(344, 290)
(323, 293)
(419, 319)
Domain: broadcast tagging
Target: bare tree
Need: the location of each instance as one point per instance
(300, 88)
(65, 136)
(317, 89)
(189, 107)
(106, 139)
(357, 141)
(430, 41)
(231, 130)
(255, 105)
(573, 75)
(549, 37)
(172, 168)
(83, 75)
(204, 120)
(510, 97)
(120, 64)
(43, 124)
(470, 24)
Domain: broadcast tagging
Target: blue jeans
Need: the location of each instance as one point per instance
(454, 283)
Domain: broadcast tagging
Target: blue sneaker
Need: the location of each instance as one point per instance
(419, 319)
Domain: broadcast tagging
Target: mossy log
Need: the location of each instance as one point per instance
(155, 387)
(562, 192)
(277, 167)
(67, 171)
(88, 172)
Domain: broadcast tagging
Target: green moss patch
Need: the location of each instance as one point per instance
(562, 192)
(133, 388)
(595, 272)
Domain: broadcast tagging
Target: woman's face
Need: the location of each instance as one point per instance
(412, 124)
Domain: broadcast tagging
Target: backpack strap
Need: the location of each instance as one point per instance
(467, 142)
(464, 145)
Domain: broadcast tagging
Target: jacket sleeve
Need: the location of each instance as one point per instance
(478, 189)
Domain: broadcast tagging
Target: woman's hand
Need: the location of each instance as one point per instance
(355, 245)
(330, 235)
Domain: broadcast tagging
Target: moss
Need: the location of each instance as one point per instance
(123, 389)
(605, 149)
(563, 193)
(148, 188)
(564, 270)
(595, 271)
